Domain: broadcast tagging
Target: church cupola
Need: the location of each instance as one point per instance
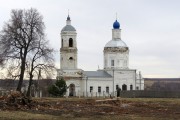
(116, 25)
(68, 21)
(116, 31)
(68, 26)
(116, 52)
(68, 18)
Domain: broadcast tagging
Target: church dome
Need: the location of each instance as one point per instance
(68, 28)
(116, 25)
(116, 43)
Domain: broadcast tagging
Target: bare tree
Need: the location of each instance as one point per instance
(41, 58)
(19, 36)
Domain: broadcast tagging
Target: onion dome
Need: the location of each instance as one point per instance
(68, 26)
(68, 18)
(116, 25)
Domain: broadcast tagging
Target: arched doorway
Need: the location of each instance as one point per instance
(71, 90)
(124, 87)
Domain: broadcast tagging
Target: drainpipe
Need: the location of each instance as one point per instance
(113, 82)
(140, 79)
(86, 85)
(135, 79)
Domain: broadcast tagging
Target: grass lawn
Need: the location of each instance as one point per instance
(20, 115)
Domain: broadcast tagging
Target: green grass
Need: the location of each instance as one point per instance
(154, 100)
(20, 115)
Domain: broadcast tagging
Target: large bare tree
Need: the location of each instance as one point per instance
(19, 36)
(39, 59)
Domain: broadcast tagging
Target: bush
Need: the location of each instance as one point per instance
(59, 88)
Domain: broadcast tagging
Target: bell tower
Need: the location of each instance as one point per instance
(68, 50)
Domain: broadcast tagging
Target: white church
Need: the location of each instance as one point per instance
(103, 82)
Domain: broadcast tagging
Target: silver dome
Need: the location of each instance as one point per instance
(116, 43)
(68, 28)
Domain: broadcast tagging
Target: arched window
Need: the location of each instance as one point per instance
(112, 63)
(117, 87)
(62, 43)
(124, 87)
(91, 88)
(131, 87)
(107, 89)
(99, 89)
(70, 42)
(71, 58)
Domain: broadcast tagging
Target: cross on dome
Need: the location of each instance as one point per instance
(116, 24)
(68, 18)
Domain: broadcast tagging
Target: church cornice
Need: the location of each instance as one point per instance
(116, 49)
(68, 49)
(68, 33)
(70, 78)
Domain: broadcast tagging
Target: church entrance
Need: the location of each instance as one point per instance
(124, 87)
(71, 90)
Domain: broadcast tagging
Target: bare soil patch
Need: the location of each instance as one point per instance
(96, 108)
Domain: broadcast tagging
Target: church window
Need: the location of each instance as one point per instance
(91, 88)
(112, 63)
(62, 43)
(99, 89)
(70, 42)
(107, 89)
(137, 88)
(131, 87)
(124, 87)
(117, 86)
(71, 58)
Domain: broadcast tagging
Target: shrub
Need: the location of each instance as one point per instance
(59, 88)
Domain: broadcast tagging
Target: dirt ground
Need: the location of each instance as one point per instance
(131, 108)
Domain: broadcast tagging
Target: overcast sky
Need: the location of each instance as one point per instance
(150, 28)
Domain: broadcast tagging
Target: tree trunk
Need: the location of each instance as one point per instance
(29, 87)
(21, 76)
